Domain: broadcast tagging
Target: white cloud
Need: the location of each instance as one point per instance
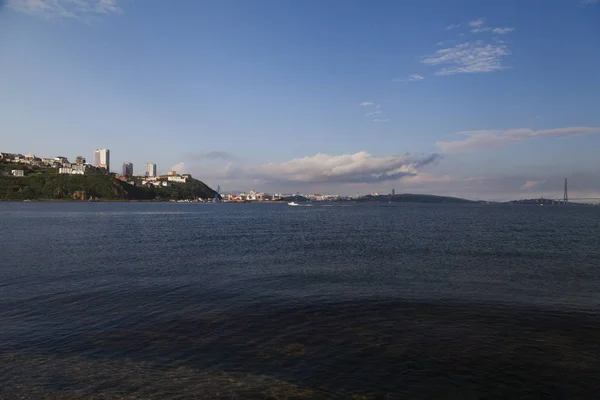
(361, 167)
(469, 57)
(373, 113)
(479, 27)
(452, 26)
(503, 31)
(477, 22)
(179, 168)
(380, 120)
(531, 184)
(367, 103)
(77, 9)
(490, 139)
(411, 78)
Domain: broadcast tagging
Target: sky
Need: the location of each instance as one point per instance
(492, 100)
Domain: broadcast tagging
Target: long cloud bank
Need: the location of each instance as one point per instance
(361, 167)
(491, 139)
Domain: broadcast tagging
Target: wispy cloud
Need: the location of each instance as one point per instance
(411, 78)
(348, 168)
(377, 113)
(481, 29)
(502, 31)
(478, 26)
(452, 26)
(491, 139)
(531, 184)
(469, 57)
(414, 78)
(78, 9)
(476, 23)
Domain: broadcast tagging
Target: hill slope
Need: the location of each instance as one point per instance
(80, 187)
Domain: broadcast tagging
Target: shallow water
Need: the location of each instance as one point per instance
(187, 301)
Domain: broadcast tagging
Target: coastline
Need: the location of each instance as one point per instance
(136, 201)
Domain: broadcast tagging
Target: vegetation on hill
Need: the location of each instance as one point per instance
(192, 189)
(29, 169)
(297, 199)
(52, 186)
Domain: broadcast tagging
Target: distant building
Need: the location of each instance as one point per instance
(393, 192)
(176, 178)
(72, 169)
(49, 162)
(102, 159)
(150, 169)
(150, 183)
(64, 161)
(79, 169)
(80, 160)
(172, 173)
(18, 172)
(127, 169)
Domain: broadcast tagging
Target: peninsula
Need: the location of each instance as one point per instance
(47, 184)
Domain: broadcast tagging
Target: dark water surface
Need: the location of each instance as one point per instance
(223, 301)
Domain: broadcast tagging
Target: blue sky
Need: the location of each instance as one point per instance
(338, 96)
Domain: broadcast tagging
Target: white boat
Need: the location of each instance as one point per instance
(293, 203)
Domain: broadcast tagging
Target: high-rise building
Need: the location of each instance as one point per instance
(102, 159)
(127, 169)
(150, 169)
(393, 192)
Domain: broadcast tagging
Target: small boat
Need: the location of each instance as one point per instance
(293, 203)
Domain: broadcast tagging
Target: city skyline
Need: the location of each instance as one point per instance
(481, 100)
(80, 167)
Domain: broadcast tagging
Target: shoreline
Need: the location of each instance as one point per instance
(137, 201)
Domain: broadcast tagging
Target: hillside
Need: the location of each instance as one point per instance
(52, 186)
(414, 198)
